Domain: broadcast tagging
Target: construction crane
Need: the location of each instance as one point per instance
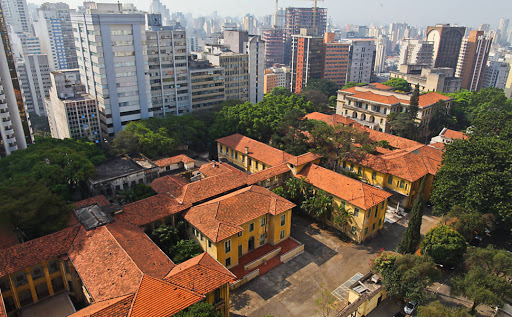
(314, 13)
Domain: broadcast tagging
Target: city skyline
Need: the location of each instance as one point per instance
(378, 12)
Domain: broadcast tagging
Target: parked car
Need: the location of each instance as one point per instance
(410, 307)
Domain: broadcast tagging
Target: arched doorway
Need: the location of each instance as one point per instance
(363, 116)
(354, 114)
(251, 243)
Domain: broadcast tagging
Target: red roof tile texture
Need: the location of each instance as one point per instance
(454, 135)
(332, 120)
(150, 209)
(182, 158)
(115, 307)
(304, 159)
(157, 298)
(212, 186)
(171, 184)
(268, 173)
(348, 189)
(216, 168)
(221, 218)
(257, 150)
(24, 255)
(99, 200)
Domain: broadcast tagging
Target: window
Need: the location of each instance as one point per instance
(37, 272)
(373, 227)
(201, 236)
(390, 179)
(281, 235)
(356, 212)
(263, 222)
(374, 175)
(217, 295)
(380, 221)
(53, 266)
(359, 171)
(283, 220)
(402, 183)
(376, 210)
(366, 231)
(262, 238)
(353, 230)
(20, 279)
(251, 227)
(228, 262)
(382, 205)
(227, 246)
(240, 233)
(209, 243)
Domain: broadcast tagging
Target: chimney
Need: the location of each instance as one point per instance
(246, 150)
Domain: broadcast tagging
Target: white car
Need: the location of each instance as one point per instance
(410, 307)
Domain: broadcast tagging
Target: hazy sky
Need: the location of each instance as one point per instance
(363, 12)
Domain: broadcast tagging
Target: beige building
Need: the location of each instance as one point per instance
(207, 86)
(236, 74)
(371, 104)
(429, 79)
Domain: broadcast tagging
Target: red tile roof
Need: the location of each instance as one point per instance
(150, 209)
(212, 186)
(221, 218)
(216, 168)
(201, 274)
(454, 135)
(431, 98)
(115, 307)
(169, 184)
(383, 99)
(159, 298)
(381, 86)
(24, 255)
(332, 120)
(257, 150)
(438, 145)
(100, 200)
(268, 173)
(173, 160)
(303, 159)
(348, 189)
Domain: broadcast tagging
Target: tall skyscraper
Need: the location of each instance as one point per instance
(157, 7)
(381, 44)
(249, 24)
(15, 132)
(502, 32)
(307, 60)
(447, 40)
(302, 18)
(34, 77)
(362, 60)
(472, 62)
(16, 16)
(416, 52)
(56, 35)
(274, 47)
(335, 60)
(113, 62)
(496, 74)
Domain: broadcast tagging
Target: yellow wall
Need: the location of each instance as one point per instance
(271, 227)
(221, 305)
(240, 159)
(369, 305)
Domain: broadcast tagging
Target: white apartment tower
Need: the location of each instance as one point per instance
(72, 113)
(381, 46)
(56, 35)
(496, 74)
(362, 60)
(113, 62)
(16, 16)
(416, 52)
(256, 52)
(34, 76)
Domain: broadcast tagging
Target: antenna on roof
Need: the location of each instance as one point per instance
(118, 5)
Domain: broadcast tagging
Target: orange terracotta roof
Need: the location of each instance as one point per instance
(454, 135)
(159, 298)
(332, 120)
(115, 307)
(216, 168)
(431, 98)
(221, 218)
(99, 200)
(201, 274)
(257, 150)
(380, 86)
(150, 209)
(268, 173)
(304, 159)
(3, 311)
(348, 189)
(438, 145)
(212, 186)
(370, 96)
(171, 184)
(24, 255)
(173, 160)
(410, 164)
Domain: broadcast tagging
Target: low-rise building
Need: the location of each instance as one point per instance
(275, 77)
(440, 79)
(176, 162)
(447, 136)
(364, 295)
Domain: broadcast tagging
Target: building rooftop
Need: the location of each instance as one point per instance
(350, 190)
(216, 168)
(454, 135)
(119, 166)
(221, 218)
(182, 158)
(92, 216)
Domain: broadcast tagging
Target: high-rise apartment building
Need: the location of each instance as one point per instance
(307, 59)
(15, 132)
(206, 85)
(496, 74)
(362, 60)
(416, 52)
(25, 44)
(236, 75)
(335, 60)
(249, 24)
(72, 113)
(113, 62)
(447, 41)
(34, 77)
(302, 18)
(56, 35)
(168, 69)
(274, 47)
(156, 7)
(381, 46)
(276, 77)
(16, 16)
(472, 62)
(502, 32)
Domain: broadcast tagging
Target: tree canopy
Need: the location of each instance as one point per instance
(445, 245)
(404, 123)
(412, 235)
(329, 88)
(436, 309)
(406, 276)
(351, 84)
(201, 309)
(399, 84)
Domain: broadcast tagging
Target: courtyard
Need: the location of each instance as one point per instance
(327, 262)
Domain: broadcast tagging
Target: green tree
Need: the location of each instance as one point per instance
(318, 99)
(327, 87)
(399, 84)
(30, 208)
(405, 276)
(404, 123)
(135, 193)
(468, 224)
(441, 118)
(290, 133)
(436, 309)
(184, 250)
(320, 205)
(351, 84)
(445, 245)
(412, 235)
(201, 309)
